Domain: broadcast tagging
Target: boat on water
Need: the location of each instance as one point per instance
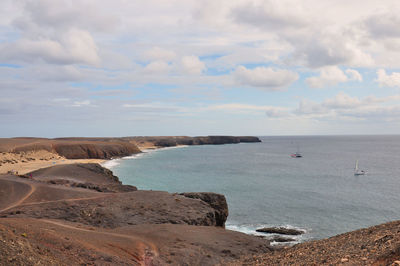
(297, 154)
(358, 171)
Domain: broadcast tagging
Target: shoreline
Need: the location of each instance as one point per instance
(76, 204)
(246, 229)
(26, 162)
(111, 163)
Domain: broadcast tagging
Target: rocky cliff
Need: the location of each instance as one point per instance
(72, 148)
(216, 201)
(200, 140)
(107, 148)
(59, 216)
(95, 150)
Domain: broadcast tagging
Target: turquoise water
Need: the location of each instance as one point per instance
(264, 186)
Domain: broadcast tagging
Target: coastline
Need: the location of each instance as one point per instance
(78, 204)
(249, 230)
(96, 200)
(26, 162)
(111, 163)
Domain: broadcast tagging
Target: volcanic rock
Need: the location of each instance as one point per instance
(280, 230)
(216, 201)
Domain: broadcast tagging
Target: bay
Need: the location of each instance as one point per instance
(264, 186)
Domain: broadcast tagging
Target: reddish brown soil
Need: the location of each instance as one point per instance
(72, 148)
(55, 224)
(45, 221)
(377, 245)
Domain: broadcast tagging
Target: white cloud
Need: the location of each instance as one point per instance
(392, 80)
(192, 65)
(265, 77)
(153, 107)
(316, 49)
(329, 76)
(40, 15)
(344, 107)
(383, 25)
(81, 103)
(354, 75)
(307, 107)
(271, 14)
(300, 24)
(270, 111)
(341, 107)
(113, 50)
(72, 47)
(158, 53)
(332, 75)
(157, 67)
(342, 101)
(61, 100)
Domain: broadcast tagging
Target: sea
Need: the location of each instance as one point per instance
(264, 186)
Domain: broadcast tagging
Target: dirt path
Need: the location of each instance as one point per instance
(18, 191)
(62, 200)
(19, 202)
(148, 249)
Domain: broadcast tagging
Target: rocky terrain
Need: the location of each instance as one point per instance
(24, 154)
(183, 140)
(377, 245)
(59, 216)
(107, 148)
(73, 148)
(81, 213)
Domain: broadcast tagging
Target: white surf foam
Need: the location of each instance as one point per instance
(111, 163)
(250, 229)
(114, 162)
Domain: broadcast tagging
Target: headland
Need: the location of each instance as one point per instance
(58, 206)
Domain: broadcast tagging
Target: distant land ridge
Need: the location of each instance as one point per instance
(200, 140)
(108, 148)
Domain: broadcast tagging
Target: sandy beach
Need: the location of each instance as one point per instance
(25, 162)
(77, 211)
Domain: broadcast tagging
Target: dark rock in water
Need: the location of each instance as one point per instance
(281, 239)
(280, 230)
(216, 201)
(248, 139)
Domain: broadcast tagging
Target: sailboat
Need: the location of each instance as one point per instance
(297, 154)
(358, 171)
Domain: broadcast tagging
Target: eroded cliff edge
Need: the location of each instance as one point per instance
(108, 148)
(81, 213)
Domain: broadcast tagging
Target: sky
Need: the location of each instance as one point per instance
(190, 67)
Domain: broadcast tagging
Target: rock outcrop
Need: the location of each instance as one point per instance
(216, 201)
(107, 148)
(201, 140)
(115, 209)
(280, 230)
(247, 139)
(72, 148)
(84, 175)
(376, 245)
(95, 150)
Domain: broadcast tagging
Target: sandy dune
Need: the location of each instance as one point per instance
(25, 162)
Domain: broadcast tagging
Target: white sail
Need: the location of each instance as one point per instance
(358, 171)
